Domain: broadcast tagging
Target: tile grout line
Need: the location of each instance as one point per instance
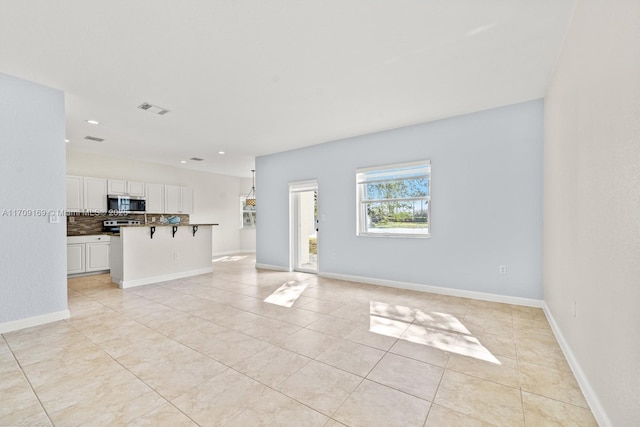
(474, 376)
(303, 327)
(167, 400)
(134, 375)
(199, 352)
(363, 378)
(24, 374)
(524, 417)
(266, 340)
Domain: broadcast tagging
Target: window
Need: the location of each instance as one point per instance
(394, 200)
(248, 213)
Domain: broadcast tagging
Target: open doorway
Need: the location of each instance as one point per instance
(304, 226)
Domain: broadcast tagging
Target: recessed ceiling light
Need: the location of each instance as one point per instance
(93, 122)
(66, 140)
(220, 152)
(183, 161)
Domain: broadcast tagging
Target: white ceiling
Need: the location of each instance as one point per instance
(252, 77)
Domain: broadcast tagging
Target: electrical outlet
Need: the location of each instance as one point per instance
(502, 269)
(176, 255)
(334, 255)
(573, 308)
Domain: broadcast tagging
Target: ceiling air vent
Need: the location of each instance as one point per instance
(196, 159)
(94, 138)
(153, 109)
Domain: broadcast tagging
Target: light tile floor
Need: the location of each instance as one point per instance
(207, 350)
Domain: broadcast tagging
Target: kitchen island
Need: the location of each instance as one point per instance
(151, 253)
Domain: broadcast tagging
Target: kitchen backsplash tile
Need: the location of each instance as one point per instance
(81, 224)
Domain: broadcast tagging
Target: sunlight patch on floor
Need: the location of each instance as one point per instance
(386, 326)
(287, 294)
(229, 258)
(434, 329)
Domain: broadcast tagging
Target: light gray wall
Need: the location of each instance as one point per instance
(486, 203)
(592, 203)
(32, 169)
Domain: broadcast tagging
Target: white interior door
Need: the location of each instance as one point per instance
(304, 226)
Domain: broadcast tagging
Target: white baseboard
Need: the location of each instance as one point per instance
(589, 394)
(271, 267)
(124, 284)
(90, 273)
(238, 251)
(33, 321)
(529, 302)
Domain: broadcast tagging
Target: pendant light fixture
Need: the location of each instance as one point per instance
(251, 197)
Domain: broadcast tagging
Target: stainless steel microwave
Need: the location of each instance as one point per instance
(131, 204)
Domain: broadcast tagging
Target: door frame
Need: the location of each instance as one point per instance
(299, 187)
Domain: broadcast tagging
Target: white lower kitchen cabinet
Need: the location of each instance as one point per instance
(86, 254)
(75, 258)
(97, 256)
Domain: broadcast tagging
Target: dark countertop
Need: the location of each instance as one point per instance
(104, 233)
(157, 224)
(97, 233)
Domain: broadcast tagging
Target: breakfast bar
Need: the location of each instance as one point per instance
(151, 253)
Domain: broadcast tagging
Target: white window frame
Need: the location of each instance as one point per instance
(243, 210)
(361, 201)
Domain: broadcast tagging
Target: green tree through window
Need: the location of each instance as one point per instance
(394, 199)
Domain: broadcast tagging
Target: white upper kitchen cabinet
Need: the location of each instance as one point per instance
(126, 188)
(187, 200)
(155, 198)
(95, 194)
(172, 199)
(178, 200)
(136, 189)
(117, 186)
(75, 193)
